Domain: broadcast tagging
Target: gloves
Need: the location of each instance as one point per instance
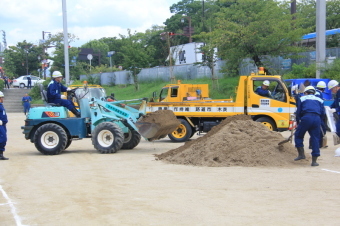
(63, 97)
(68, 89)
(0, 122)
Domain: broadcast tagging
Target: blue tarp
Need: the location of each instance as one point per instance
(328, 32)
(327, 95)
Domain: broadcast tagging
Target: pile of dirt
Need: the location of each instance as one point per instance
(158, 124)
(236, 141)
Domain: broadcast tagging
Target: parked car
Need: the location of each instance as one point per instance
(21, 82)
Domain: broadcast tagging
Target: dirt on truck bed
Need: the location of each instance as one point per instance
(236, 141)
(158, 124)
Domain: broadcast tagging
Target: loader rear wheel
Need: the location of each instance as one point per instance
(131, 139)
(182, 133)
(107, 137)
(50, 139)
(268, 122)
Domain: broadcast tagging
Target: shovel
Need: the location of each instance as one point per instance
(289, 139)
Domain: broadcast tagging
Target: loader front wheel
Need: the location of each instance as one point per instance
(50, 139)
(107, 137)
(131, 139)
(268, 122)
(182, 133)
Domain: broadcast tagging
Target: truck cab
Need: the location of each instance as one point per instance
(274, 110)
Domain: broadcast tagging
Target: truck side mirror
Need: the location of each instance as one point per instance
(154, 95)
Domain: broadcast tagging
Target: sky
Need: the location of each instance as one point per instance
(87, 19)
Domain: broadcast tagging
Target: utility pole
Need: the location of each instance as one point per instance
(4, 38)
(320, 36)
(66, 57)
(44, 51)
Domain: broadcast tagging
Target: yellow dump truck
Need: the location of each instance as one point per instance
(199, 113)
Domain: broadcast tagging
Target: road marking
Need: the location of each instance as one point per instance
(10, 203)
(332, 171)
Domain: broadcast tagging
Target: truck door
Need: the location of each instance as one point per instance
(272, 107)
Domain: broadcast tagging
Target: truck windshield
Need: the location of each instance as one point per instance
(164, 93)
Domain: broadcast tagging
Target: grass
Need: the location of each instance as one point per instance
(226, 89)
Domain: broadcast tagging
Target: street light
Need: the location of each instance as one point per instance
(43, 43)
(109, 54)
(46, 32)
(189, 28)
(39, 69)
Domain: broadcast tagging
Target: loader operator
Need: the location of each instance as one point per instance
(309, 114)
(263, 89)
(54, 90)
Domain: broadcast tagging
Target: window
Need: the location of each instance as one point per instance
(275, 88)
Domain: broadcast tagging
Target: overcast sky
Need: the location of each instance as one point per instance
(87, 19)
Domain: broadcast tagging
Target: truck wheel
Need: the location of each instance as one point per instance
(50, 139)
(193, 132)
(131, 139)
(107, 137)
(182, 133)
(268, 122)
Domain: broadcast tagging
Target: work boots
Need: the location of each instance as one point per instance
(301, 155)
(2, 157)
(314, 163)
(76, 112)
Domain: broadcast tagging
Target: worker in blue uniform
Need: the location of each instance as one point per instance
(309, 113)
(334, 87)
(26, 100)
(320, 89)
(54, 90)
(263, 89)
(3, 129)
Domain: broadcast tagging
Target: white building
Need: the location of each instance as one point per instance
(187, 53)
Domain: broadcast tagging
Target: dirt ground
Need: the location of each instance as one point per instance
(130, 187)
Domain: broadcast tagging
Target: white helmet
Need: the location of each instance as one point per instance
(57, 74)
(310, 88)
(2, 94)
(266, 83)
(332, 84)
(337, 152)
(321, 85)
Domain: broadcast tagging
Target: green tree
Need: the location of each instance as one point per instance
(307, 9)
(100, 48)
(254, 28)
(22, 59)
(76, 69)
(135, 55)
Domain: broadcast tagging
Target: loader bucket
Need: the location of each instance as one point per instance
(147, 129)
(157, 125)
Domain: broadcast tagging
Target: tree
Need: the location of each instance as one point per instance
(307, 9)
(100, 48)
(22, 59)
(254, 28)
(135, 55)
(76, 68)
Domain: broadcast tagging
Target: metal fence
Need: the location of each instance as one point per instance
(277, 65)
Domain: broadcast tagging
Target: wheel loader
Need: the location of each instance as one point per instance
(111, 125)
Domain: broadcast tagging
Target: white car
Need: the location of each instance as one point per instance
(21, 82)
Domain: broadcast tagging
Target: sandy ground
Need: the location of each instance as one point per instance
(83, 187)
